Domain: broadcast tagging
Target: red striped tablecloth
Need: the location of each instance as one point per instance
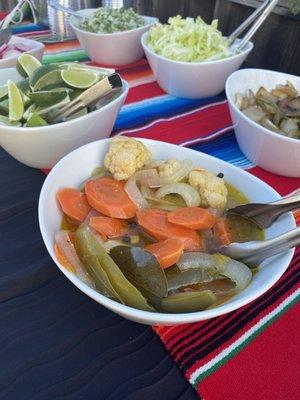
(253, 352)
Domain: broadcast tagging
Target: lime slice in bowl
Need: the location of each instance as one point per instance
(4, 107)
(27, 64)
(45, 77)
(46, 98)
(24, 86)
(15, 106)
(5, 121)
(79, 78)
(3, 92)
(35, 120)
(31, 109)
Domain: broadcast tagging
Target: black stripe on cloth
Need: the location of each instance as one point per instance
(215, 322)
(198, 352)
(232, 322)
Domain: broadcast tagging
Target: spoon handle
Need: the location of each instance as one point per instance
(256, 25)
(295, 198)
(254, 252)
(236, 33)
(60, 7)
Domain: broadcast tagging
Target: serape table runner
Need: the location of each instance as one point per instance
(250, 353)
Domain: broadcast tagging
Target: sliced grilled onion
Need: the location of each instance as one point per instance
(135, 194)
(196, 260)
(162, 204)
(197, 267)
(186, 167)
(148, 177)
(238, 273)
(63, 242)
(187, 192)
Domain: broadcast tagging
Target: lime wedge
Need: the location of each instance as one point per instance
(46, 77)
(5, 121)
(79, 78)
(3, 92)
(35, 120)
(27, 64)
(47, 98)
(30, 110)
(44, 111)
(75, 93)
(4, 107)
(24, 86)
(16, 106)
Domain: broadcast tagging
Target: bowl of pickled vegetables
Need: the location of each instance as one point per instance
(135, 225)
(111, 36)
(265, 109)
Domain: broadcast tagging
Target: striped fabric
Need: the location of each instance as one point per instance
(219, 357)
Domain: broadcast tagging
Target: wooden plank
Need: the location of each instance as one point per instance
(276, 44)
(283, 8)
(163, 9)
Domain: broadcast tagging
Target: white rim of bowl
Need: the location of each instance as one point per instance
(153, 19)
(251, 122)
(37, 129)
(166, 318)
(249, 48)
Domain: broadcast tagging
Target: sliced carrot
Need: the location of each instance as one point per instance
(192, 217)
(167, 251)
(108, 196)
(110, 227)
(222, 232)
(73, 203)
(62, 259)
(156, 224)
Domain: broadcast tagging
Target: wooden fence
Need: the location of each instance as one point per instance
(277, 43)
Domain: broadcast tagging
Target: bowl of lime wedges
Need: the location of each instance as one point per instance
(28, 94)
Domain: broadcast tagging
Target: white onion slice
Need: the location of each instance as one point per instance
(10, 53)
(148, 177)
(187, 192)
(134, 194)
(238, 273)
(63, 241)
(186, 167)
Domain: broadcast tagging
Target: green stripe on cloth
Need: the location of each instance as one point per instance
(73, 55)
(250, 335)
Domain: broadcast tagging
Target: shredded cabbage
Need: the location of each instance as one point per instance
(188, 39)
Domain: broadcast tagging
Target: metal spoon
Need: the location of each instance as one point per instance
(252, 253)
(265, 214)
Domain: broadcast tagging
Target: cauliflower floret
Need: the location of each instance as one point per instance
(212, 189)
(170, 167)
(125, 157)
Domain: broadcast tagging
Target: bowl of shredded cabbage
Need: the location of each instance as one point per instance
(111, 36)
(191, 58)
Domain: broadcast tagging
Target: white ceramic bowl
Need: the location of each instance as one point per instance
(115, 49)
(42, 147)
(36, 49)
(73, 169)
(271, 151)
(193, 79)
